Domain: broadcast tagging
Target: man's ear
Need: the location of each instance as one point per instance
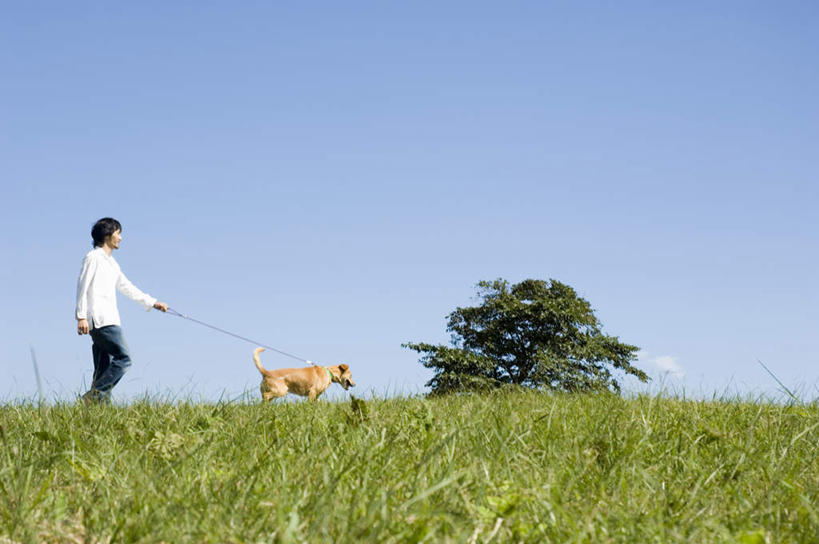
(342, 367)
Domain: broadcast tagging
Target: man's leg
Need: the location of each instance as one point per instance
(102, 360)
(114, 359)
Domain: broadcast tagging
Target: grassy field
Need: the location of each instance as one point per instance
(521, 466)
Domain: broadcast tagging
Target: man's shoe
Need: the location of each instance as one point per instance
(95, 397)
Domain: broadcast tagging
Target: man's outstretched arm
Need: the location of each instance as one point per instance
(131, 291)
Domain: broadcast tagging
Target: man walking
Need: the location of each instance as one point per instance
(97, 312)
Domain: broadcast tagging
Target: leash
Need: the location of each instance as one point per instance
(183, 316)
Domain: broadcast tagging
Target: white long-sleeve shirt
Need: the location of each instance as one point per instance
(100, 278)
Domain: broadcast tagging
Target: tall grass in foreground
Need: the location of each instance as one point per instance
(522, 466)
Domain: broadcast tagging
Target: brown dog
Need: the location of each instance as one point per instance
(308, 382)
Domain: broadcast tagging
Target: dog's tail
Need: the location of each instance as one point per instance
(258, 362)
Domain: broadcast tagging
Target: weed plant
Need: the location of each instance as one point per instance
(504, 467)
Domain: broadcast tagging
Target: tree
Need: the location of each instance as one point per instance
(534, 334)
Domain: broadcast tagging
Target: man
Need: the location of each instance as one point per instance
(97, 312)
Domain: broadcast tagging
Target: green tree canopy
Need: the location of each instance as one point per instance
(535, 334)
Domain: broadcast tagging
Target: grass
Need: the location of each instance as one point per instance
(521, 466)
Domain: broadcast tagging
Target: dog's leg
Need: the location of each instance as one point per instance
(271, 391)
(265, 390)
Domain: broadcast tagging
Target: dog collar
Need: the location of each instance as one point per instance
(330, 373)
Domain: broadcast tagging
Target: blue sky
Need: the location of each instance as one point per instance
(334, 178)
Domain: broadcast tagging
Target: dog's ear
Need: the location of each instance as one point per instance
(342, 367)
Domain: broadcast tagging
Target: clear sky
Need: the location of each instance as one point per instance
(334, 178)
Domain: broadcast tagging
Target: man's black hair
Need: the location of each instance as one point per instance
(104, 228)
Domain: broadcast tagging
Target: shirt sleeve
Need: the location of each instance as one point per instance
(130, 290)
(89, 268)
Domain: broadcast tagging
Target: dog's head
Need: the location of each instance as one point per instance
(346, 377)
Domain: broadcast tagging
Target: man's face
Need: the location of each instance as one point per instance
(114, 239)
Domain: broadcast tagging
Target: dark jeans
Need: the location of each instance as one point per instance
(111, 359)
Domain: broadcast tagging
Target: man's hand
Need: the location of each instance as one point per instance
(82, 326)
(161, 306)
